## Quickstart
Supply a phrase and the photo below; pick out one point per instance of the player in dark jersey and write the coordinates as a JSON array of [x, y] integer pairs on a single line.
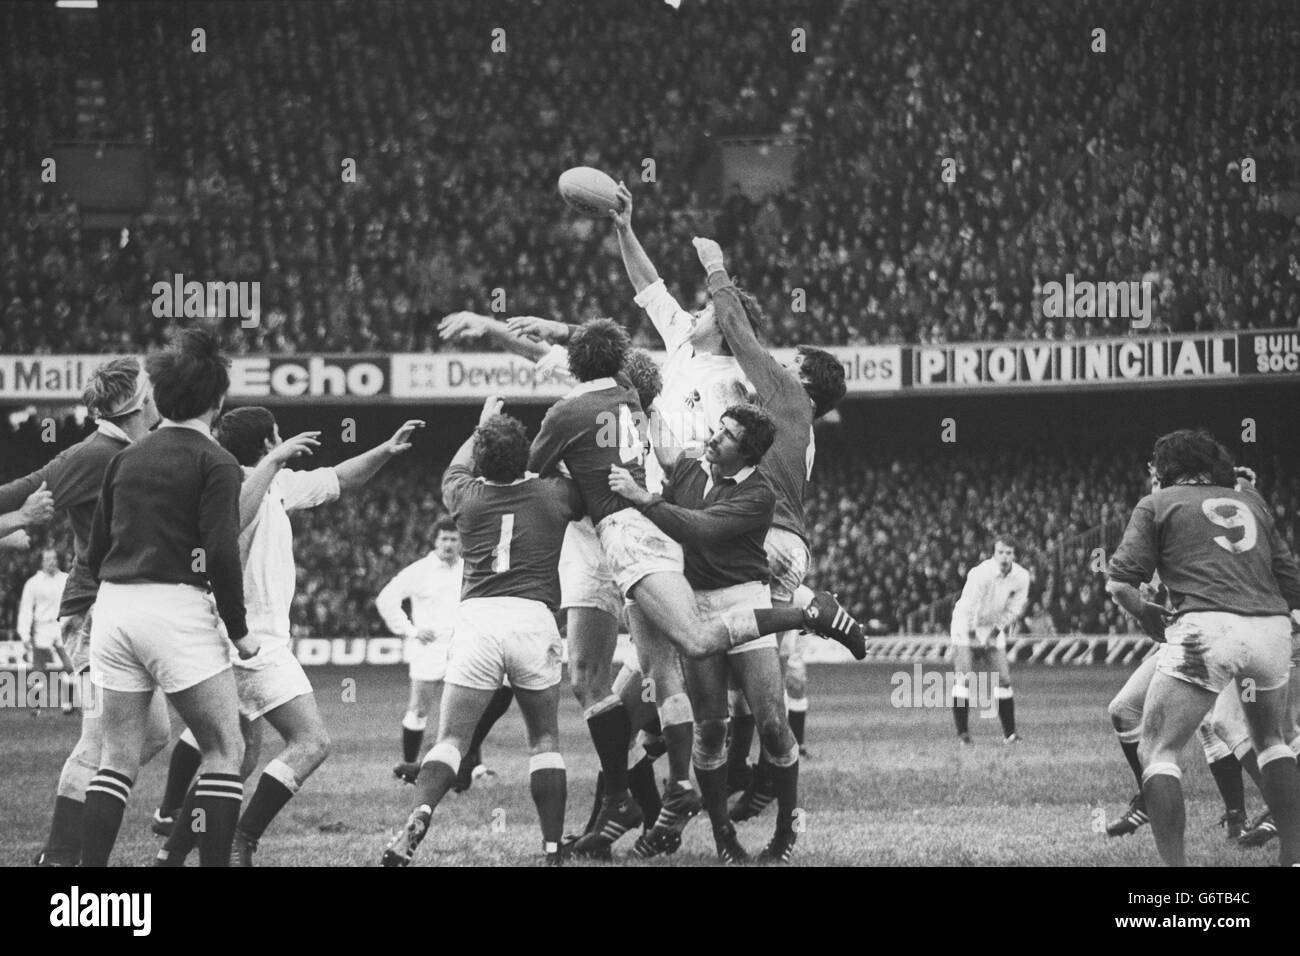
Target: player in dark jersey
[[589, 431], [795, 396], [511, 527], [120, 398], [1232, 581]]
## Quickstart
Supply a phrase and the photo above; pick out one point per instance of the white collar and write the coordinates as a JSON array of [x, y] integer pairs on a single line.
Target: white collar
[[193, 424], [595, 385], [105, 427], [738, 477], [507, 484]]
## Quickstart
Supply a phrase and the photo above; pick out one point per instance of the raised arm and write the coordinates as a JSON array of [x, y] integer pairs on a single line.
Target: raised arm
[[258, 481], [640, 270], [472, 325], [355, 472], [460, 473], [764, 371], [37, 509]]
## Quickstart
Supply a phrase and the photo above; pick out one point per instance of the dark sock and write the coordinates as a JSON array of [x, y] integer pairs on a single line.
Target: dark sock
[[496, 709], [713, 790], [961, 714], [217, 796], [611, 732], [411, 741], [770, 620], [64, 843], [1131, 755], [1280, 782], [101, 817], [797, 718], [184, 834], [1007, 714], [641, 783], [435, 779], [742, 741], [785, 781], [1250, 764], [268, 799], [1163, 796], [550, 790], [680, 738], [1227, 777], [652, 726], [180, 774], [595, 804]]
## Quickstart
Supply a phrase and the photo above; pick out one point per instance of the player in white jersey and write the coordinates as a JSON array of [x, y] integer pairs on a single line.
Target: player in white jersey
[[273, 684], [38, 611], [989, 609]]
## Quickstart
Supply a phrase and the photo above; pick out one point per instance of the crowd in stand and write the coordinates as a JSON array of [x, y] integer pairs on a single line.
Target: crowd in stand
[[892, 536], [1125, 164]]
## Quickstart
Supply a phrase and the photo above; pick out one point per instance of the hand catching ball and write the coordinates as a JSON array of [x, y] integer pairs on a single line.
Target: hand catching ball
[[589, 191]]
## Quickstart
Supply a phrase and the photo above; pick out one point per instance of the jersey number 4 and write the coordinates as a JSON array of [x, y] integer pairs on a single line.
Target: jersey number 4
[[1228, 513], [630, 446], [501, 555]]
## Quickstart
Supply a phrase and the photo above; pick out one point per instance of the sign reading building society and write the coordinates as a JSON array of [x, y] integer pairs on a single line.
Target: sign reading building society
[[473, 376], [1076, 362]]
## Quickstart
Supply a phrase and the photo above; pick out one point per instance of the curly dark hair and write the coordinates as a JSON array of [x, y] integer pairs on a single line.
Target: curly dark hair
[[1191, 453], [760, 430], [823, 378], [753, 311], [501, 448], [191, 376], [640, 368], [597, 349], [244, 432]]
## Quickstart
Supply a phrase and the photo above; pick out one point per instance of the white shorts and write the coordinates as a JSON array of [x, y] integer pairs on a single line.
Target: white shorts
[[982, 641], [711, 605], [155, 635], [787, 562], [1211, 648], [585, 577], [271, 679], [428, 662], [634, 548], [500, 637]]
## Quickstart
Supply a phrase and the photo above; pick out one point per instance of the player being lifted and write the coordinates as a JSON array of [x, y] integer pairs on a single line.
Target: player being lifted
[[512, 525], [1232, 581], [794, 396], [990, 606], [589, 431], [721, 509], [273, 684]]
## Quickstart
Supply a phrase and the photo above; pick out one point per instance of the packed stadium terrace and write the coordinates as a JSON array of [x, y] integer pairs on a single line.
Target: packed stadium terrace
[[1114, 166], [891, 533]]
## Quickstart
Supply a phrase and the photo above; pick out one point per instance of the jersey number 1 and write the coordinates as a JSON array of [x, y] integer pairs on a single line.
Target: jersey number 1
[[501, 555]]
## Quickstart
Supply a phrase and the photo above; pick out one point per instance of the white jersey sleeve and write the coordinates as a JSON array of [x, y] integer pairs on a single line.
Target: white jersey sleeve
[[27, 610], [389, 601], [307, 489], [554, 366], [671, 321], [971, 599]]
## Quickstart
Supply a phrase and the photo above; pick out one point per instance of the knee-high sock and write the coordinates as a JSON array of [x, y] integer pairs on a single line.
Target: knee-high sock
[[275, 788], [1227, 777], [961, 708], [1281, 787], [1130, 748], [1006, 710], [611, 733], [101, 817], [549, 785], [496, 709], [645, 791], [64, 842], [1162, 791], [1250, 764], [181, 769], [797, 714], [678, 723], [598, 798], [412, 735], [183, 837], [713, 791], [217, 797], [742, 741], [784, 770]]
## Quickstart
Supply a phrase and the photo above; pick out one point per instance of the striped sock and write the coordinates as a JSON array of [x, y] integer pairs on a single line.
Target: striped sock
[[101, 817], [217, 798], [549, 785]]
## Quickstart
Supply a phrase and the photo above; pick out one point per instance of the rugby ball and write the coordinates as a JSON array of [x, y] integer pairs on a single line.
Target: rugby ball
[[589, 191]]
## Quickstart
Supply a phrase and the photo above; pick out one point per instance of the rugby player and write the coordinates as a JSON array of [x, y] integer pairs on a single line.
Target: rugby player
[[590, 430], [120, 399], [38, 620], [1232, 582], [989, 609], [512, 525], [794, 396], [721, 508], [273, 684]]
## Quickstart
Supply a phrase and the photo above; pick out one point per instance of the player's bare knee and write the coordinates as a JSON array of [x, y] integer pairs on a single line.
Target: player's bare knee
[[710, 748], [775, 735]]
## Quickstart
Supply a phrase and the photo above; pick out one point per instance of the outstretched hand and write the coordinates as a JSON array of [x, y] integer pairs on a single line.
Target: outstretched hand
[[535, 327], [304, 443], [491, 409], [463, 325], [709, 252], [622, 216]]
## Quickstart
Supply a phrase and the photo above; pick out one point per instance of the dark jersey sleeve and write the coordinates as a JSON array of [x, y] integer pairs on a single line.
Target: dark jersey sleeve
[[100, 538], [456, 481], [1134, 561], [1285, 569], [765, 373], [549, 446], [219, 535], [720, 521], [14, 493]]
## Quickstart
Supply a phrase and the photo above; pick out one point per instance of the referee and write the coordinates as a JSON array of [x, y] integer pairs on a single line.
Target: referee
[[164, 545]]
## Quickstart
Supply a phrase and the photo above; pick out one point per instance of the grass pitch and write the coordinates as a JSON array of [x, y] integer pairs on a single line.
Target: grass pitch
[[884, 786]]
